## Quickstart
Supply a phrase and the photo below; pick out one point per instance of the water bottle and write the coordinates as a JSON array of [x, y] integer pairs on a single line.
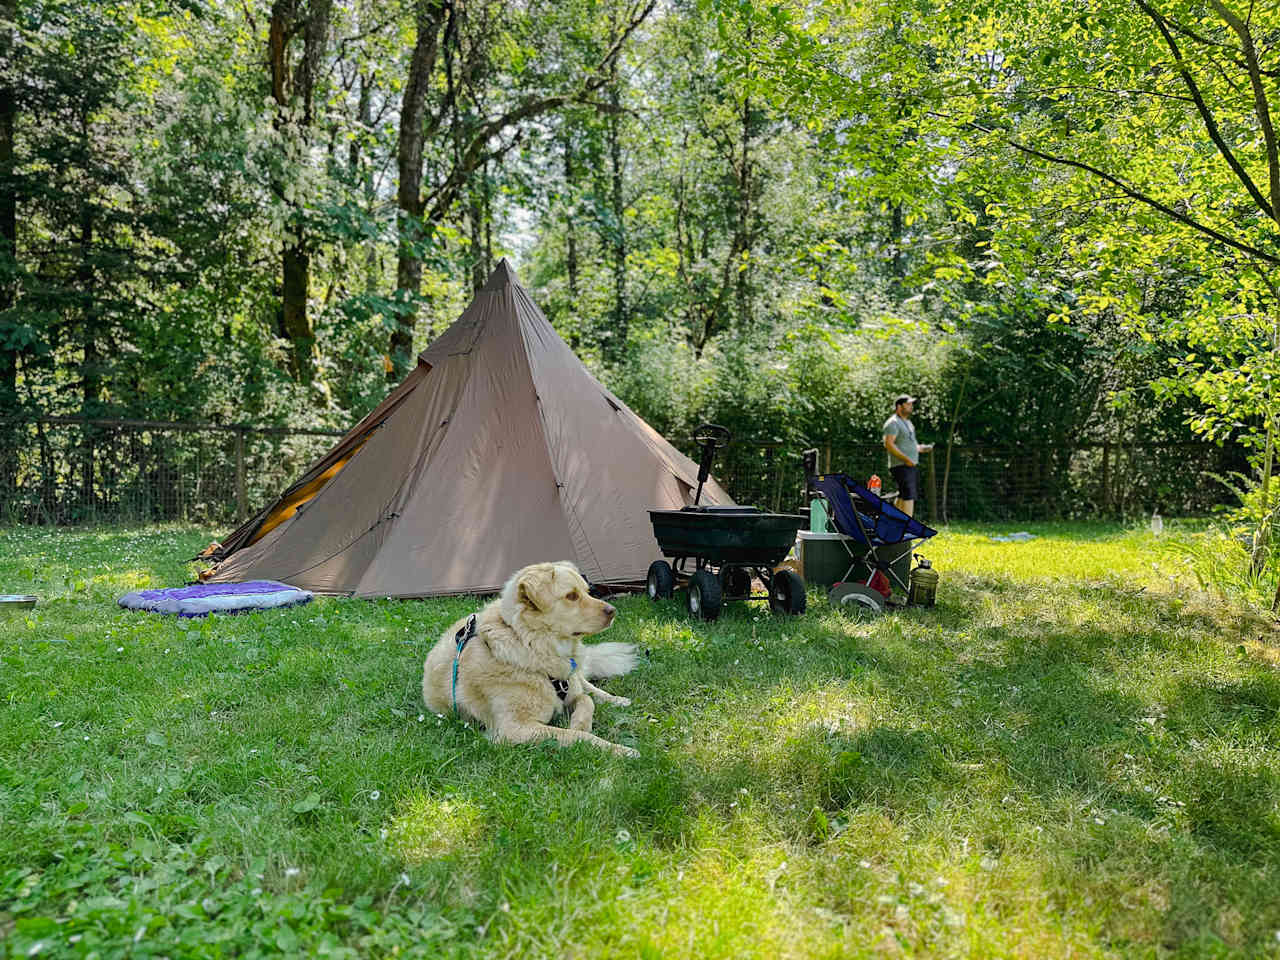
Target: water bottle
[[874, 484], [817, 516], [1157, 523], [922, 582]]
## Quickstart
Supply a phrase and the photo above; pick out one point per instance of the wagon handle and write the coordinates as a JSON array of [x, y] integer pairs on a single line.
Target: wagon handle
[[711, 436]]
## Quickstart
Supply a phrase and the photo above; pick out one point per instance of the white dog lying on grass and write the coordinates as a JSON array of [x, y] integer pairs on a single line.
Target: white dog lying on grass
[[521, 659]]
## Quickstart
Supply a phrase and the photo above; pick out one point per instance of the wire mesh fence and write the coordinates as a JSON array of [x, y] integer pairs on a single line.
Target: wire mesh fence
[[63, 470], [66, 470], [986, 482]]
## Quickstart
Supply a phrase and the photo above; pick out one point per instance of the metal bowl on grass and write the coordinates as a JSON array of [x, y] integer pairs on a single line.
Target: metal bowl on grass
[[16, 601]]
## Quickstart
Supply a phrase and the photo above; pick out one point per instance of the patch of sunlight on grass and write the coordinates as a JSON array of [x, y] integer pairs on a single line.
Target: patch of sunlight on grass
[[1057, 551], [433, 827], [720, 907]]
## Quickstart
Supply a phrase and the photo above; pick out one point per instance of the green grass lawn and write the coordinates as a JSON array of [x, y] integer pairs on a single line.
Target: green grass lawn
[[1069, 756]]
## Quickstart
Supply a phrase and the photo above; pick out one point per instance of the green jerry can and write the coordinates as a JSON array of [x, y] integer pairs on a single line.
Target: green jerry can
[[923, 589]]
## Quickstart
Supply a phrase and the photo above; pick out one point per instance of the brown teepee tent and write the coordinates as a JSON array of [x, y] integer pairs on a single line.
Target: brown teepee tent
[[500, 449]]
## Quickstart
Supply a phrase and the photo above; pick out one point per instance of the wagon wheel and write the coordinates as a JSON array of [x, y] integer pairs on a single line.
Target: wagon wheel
[[735, 582], [705, 597], [786, 593], [856, 600], [661, 582]]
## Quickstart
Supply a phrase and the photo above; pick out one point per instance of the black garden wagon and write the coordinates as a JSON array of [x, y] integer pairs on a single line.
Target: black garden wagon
[[715, 552]]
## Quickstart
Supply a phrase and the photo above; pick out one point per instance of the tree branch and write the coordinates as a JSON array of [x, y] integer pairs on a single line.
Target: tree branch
[[1259, 100], [1206, 115], [1038, 91], [475, 152], [1126, 190], [1208, 42]]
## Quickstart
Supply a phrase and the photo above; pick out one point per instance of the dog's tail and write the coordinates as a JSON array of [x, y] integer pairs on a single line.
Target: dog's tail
[[609, 659]]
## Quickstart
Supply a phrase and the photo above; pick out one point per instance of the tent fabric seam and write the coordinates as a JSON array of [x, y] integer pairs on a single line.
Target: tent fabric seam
[[570, 515], [341, 550], [360, 432]]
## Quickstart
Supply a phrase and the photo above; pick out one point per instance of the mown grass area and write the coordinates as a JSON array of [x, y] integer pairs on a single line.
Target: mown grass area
[[1069, 756]]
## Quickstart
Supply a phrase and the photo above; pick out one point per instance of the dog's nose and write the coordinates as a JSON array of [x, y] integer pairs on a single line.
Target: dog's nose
[[610, 609]]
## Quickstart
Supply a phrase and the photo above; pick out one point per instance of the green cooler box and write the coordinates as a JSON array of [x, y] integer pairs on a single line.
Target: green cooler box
[[824, 559]]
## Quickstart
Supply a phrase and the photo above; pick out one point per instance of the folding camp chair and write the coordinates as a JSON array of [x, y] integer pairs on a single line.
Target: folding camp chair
[[868, 524]]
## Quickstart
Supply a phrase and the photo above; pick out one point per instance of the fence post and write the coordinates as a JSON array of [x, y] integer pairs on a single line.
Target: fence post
[[933, 490], [1106, 476], [242, 495], [772, 455]]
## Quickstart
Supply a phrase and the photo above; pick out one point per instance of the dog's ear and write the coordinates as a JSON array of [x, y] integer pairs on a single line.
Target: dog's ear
[[534, 588]]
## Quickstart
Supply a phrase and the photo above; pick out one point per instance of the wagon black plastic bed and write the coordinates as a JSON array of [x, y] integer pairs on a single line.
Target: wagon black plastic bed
[[715, 552]]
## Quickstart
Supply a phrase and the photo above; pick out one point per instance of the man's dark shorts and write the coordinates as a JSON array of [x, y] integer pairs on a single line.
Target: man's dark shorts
[[908, 482]]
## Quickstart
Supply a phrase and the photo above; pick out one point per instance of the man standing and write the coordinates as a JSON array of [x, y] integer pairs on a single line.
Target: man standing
[[904, 453]]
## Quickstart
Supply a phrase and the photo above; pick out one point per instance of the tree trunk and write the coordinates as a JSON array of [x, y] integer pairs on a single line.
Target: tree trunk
[[475, 220], [742, 242], [91, 360], [571, 236], [315, 43], [487, 195], [428, 16], [951, 435], [1262, 536], [294, 320], [899, 269], [371, 263], [295, 325], [480, 219], [616, 344], [8, 233]]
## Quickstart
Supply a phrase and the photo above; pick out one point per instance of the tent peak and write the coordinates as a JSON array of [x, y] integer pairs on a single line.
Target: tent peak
[[503, 275]]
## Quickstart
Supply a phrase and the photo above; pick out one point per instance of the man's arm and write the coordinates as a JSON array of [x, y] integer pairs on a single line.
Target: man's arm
[[892, 447]]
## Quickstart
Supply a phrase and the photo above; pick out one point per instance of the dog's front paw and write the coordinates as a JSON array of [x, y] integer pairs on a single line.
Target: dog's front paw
[[622, 751], [622, 701]]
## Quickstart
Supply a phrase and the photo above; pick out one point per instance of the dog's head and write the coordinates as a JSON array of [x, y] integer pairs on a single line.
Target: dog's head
[[554, 598]]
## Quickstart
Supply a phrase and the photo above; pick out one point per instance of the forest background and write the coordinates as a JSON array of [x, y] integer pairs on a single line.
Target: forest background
[[1056, 223]]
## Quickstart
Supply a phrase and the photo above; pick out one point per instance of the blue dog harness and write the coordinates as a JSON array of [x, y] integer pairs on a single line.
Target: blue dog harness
[[561, 687], [463, 635]]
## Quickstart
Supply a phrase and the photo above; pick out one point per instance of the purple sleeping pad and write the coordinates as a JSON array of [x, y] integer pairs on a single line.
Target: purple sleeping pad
[[201, 599]]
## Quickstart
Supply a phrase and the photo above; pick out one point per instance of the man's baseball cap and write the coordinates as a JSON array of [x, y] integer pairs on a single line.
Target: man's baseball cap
[[904, 398]]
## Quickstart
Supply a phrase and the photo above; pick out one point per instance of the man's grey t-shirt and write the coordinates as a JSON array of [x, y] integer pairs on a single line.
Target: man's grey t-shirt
[[904, 437]]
